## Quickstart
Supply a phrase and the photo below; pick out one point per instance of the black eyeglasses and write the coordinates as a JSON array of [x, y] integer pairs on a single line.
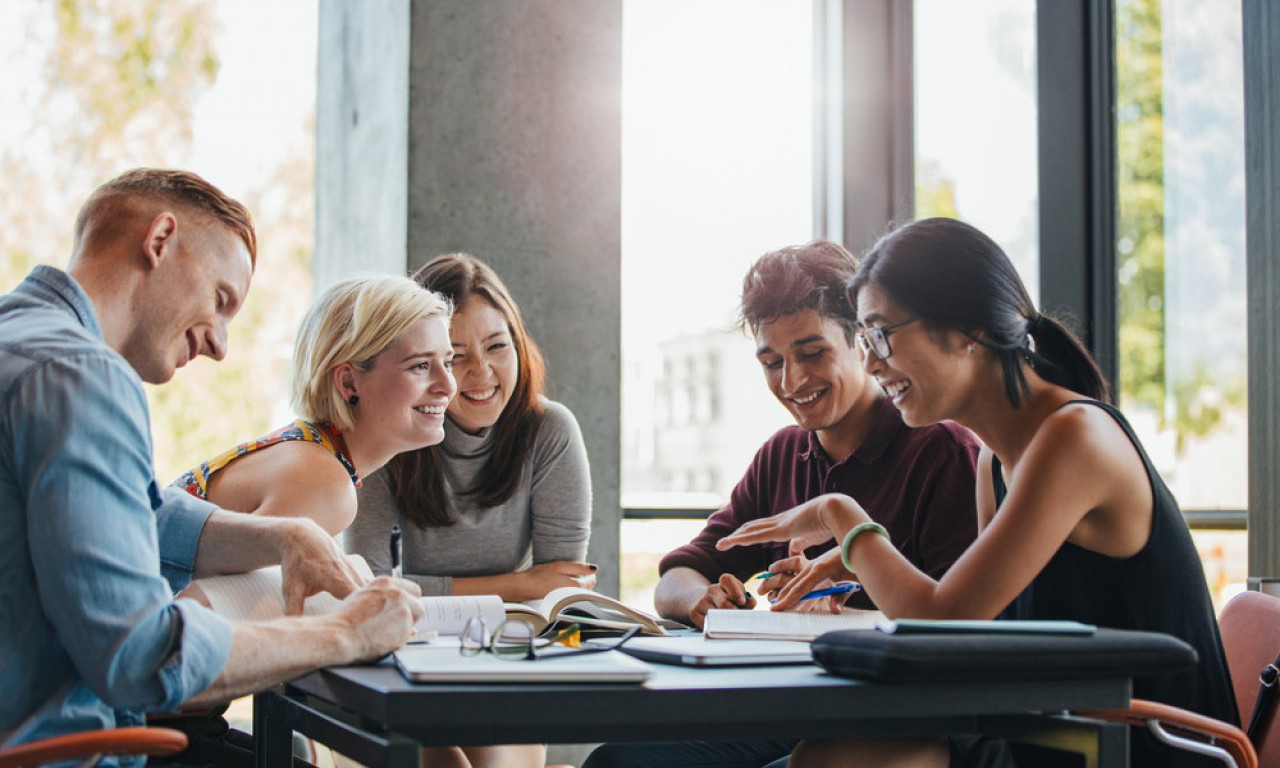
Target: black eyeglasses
[[517, 640], [876, 338]]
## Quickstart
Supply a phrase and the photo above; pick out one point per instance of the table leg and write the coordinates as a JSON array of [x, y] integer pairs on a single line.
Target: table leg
[[272, 736]]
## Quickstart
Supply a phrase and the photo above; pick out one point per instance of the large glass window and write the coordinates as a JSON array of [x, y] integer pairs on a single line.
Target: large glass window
[[1181, 254], [717, 170], [975, 115], [97, 88]]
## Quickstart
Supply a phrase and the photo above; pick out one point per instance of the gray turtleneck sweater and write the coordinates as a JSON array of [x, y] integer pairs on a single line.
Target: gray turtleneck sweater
[[548, 518]]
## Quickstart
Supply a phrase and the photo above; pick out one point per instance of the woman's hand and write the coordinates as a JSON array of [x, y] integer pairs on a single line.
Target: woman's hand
[[814, 522], [544, 577], [805, 576]]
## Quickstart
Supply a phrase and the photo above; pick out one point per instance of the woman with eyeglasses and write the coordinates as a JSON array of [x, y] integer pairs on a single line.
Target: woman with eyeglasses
[[1074, 521], [503, 505]]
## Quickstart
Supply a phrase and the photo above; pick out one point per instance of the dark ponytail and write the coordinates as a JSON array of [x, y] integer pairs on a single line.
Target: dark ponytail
[[952, 276], [1060, 358]]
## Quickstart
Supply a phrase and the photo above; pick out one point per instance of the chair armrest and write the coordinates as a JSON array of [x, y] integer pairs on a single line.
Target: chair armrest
[[1194, 732], [113, 741]]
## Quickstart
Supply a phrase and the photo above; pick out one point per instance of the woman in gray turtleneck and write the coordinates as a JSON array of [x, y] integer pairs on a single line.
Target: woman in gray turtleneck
[[503, 505]]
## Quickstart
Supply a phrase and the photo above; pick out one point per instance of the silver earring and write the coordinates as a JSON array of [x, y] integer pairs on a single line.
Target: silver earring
[[970, 349]]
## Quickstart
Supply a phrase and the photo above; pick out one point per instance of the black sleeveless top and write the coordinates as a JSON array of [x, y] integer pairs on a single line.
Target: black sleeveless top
[[1160, 589]]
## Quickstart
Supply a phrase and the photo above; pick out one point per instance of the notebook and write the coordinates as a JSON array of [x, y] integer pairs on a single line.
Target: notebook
[[729, 623], [697, 651], [426, 664]]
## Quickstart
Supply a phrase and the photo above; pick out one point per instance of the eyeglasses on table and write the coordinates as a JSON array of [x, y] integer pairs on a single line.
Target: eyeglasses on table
[[517, 640]]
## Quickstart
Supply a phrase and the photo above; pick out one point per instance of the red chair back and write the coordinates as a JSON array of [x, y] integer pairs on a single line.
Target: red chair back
[[1250, 625]]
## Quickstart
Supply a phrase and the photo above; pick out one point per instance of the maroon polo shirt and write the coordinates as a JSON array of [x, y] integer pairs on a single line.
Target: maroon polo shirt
[[916, 482]]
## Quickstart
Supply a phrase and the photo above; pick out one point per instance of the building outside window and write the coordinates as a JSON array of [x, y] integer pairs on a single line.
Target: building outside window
[[717, 170]]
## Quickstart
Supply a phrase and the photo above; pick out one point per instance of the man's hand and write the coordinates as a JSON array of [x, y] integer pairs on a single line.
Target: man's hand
[[728, 592], [311, 562], [371, 622], [381, 616]]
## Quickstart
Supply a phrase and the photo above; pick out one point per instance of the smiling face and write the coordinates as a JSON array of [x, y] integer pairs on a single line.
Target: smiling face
[[485, 364], [817, 375], [193, 291], [927, 374], [404, 394]]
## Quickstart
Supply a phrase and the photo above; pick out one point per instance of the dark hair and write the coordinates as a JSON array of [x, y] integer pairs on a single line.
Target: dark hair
[[952, 276], [417, 480], [790, 280], [101, 214]]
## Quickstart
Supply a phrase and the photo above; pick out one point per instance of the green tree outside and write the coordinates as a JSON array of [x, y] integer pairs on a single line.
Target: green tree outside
[[117, 88]]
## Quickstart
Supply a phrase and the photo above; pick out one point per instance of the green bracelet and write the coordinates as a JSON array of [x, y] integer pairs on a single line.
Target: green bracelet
[[853, 533]]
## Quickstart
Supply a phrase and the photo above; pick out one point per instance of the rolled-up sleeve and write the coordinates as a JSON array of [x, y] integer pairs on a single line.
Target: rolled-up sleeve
[[95, 517], [180, 519]]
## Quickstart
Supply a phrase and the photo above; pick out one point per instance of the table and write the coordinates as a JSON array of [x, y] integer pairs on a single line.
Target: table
[[375, 716]]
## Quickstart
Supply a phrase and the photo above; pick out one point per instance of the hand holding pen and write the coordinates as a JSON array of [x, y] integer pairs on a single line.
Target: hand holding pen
[[812, 576], [838, 588]]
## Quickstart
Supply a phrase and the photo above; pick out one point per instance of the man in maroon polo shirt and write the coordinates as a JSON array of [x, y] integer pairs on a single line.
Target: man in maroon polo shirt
[[916, 482]]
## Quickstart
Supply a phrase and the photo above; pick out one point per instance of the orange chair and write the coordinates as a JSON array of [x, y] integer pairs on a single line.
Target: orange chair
[[1250, 625], [111, 741]]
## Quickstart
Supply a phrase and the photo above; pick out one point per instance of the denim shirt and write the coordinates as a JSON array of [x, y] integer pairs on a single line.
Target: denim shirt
[[91, 549]]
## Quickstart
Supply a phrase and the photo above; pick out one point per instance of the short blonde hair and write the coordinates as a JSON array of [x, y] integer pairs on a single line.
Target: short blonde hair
[[353, 322]]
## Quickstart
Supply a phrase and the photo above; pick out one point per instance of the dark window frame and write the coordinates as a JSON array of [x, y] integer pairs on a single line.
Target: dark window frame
[[1076, 64]]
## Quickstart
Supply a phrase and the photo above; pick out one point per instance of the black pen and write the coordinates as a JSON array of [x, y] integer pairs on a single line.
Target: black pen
[[396, 550]]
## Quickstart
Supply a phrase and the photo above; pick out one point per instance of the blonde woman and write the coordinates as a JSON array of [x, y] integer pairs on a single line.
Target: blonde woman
[[372, 378]]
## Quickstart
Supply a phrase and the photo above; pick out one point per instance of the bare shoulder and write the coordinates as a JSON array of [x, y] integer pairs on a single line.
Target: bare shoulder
[[1081, 452], [1084, 431], [304, 479]]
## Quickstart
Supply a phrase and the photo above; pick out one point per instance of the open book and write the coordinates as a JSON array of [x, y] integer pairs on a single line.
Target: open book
[[783, 625], [588, 608], [258, 596]]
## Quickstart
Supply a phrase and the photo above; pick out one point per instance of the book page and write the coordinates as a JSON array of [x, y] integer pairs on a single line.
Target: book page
[[784, 625], [604, 609], [448, 614], [259, 595]]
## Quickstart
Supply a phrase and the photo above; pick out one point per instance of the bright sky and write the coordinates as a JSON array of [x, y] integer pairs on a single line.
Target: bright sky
[[255, 113], [265, 94]]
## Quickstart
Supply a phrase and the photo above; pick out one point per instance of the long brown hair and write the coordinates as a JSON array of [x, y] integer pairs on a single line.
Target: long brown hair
[[417, 479]]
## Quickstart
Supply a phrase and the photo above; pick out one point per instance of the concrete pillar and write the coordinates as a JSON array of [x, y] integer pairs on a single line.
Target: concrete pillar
[[493, 128]]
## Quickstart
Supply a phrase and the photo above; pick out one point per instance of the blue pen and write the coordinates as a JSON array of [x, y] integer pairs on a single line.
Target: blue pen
[[839, 588]]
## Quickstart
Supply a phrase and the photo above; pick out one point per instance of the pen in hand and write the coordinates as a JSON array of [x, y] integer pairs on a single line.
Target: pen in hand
[[396, 551], [839, 588]]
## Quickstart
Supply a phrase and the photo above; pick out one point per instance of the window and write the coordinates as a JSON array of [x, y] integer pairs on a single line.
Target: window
[[717, 170], [1181, 257], [975, 106]]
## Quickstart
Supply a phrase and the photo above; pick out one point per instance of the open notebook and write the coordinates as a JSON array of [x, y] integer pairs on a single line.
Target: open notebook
[[427, 664], [723, 623], [256, 596]]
